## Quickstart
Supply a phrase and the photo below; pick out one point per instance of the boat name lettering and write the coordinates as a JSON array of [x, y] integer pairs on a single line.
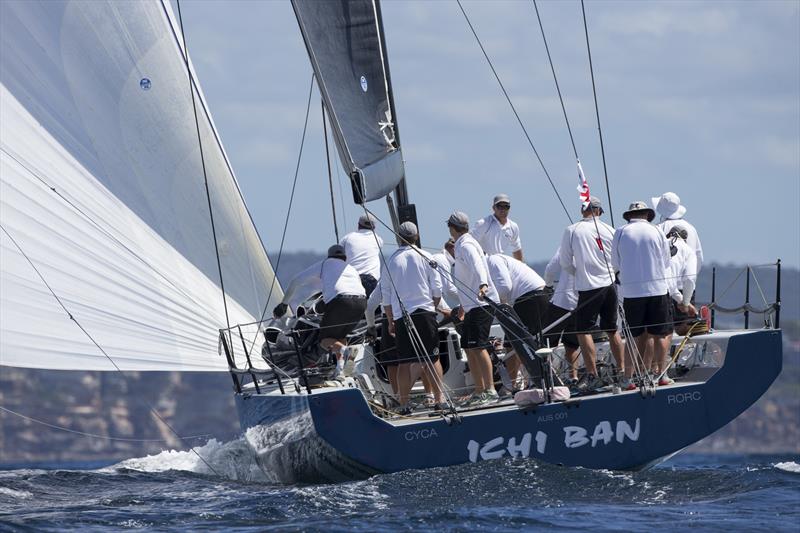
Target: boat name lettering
[[684, 397], [498, 447], [552, 416], [424, 433], [576, 436]]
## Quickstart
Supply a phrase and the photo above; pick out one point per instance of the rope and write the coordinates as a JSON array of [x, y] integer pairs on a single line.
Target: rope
[[89, 336], [93, 435], [288, 208], [555, 79], [185, 54], [330, 174], [514, 110], [597, 114]]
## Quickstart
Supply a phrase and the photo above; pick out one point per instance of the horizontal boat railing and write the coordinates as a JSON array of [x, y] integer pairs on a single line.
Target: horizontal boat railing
[[770, 310]]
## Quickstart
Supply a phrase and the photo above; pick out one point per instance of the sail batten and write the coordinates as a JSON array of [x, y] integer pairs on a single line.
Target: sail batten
[[346, 49], [103, 191]]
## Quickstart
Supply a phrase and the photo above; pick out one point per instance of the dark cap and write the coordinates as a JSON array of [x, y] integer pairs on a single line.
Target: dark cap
[[458, 219], [337, 251], [501, 198]]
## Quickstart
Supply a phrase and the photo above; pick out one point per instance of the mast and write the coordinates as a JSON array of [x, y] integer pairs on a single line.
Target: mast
[[405, 210]]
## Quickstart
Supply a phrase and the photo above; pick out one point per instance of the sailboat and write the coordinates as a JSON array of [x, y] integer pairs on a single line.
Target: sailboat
[[127, 245]]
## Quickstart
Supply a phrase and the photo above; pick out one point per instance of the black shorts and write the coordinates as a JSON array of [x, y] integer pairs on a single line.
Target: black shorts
[[532, 310], [426, 326], [476, 327], [387, 353], [342, 315], [591, 303], [565, 330], [368, 282], [649, 313]]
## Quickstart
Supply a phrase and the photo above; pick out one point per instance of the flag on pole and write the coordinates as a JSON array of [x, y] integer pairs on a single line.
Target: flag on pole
[[583, 187]]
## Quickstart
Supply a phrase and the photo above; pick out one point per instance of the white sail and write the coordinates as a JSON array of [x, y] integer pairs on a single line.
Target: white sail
[[102, 191]]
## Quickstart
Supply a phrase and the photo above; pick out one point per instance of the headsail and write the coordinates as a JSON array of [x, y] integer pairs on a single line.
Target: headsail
[[347, 51], [103, 192]]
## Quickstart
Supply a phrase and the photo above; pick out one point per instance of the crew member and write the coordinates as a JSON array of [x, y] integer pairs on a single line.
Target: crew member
[[496, 233], [363, 249], [444, 265], [682, 278], [412, 286], [641, 254], [670, 211], [520, 286], [563, 302], [586, 254], [475, 284], [344, 297]]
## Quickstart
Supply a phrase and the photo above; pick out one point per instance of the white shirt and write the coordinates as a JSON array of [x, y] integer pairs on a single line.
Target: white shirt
[[411, 279], [641, 254], [497, 238], [512, 278], [692, 239], [682, 268], [471, 271], [363, 252], [333, 276], [564, 294], [445, 270], [586, 256]]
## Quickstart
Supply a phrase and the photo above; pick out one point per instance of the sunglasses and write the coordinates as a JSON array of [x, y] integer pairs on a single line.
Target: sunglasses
[[503, 206]]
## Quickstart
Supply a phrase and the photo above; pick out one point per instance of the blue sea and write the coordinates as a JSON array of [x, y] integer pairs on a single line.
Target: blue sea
[[175, 491]]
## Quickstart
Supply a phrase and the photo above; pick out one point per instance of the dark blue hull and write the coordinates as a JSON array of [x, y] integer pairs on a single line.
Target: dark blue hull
[[343, 439]]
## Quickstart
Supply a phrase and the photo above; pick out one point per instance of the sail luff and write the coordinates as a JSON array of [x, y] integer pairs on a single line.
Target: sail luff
[[344, 43]]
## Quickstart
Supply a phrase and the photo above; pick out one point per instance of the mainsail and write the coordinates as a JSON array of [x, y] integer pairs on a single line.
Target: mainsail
[[103, 195], [345, 43]]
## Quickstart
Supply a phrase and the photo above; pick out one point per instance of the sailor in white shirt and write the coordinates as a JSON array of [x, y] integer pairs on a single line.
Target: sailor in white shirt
[[520, 286], [444, 266], [641, 254], [344, 297], [682, 278], [670, 211], [586, 253], [412, 286], [363, 249], [564, 300], [474, 283], [496, 233]]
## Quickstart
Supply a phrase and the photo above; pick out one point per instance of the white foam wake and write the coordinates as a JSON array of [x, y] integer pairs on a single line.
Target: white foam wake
[[21, 494], [789, 466], [232, 460]]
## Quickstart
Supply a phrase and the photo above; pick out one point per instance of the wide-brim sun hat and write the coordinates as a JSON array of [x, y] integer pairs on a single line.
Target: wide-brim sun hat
[[668, 205], [639, 207]]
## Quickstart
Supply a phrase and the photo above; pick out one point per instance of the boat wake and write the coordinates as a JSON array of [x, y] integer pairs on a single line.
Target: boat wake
[[233, 460], [788, 466]]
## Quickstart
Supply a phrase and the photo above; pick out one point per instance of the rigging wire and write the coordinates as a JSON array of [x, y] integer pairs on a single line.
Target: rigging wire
[[93, 435], [555, 79], [289, 207], [597, 113], [185, 54], [514, 110], [330, 174], [89, 336]]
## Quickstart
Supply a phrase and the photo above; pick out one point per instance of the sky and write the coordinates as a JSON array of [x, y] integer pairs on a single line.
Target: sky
[[698, 98]]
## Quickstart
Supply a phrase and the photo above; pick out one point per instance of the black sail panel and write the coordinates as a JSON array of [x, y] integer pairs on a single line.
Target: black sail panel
[[346, 48]]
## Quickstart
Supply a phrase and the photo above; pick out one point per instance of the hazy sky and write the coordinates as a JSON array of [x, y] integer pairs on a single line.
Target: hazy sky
[[699, 98]]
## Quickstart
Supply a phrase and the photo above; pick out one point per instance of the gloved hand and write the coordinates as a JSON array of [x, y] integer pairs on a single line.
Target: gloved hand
[[280, 310]]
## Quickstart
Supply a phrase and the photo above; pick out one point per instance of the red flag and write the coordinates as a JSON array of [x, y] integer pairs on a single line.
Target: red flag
[[583, 187]]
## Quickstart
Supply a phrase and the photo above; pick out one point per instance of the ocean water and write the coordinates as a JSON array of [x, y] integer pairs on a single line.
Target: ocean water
[[176, 491]]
